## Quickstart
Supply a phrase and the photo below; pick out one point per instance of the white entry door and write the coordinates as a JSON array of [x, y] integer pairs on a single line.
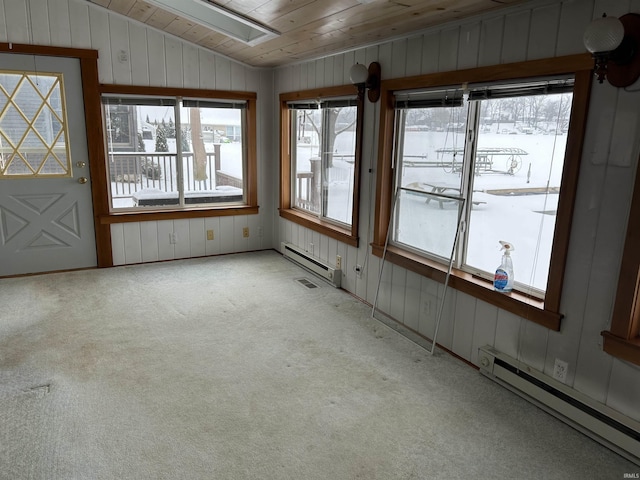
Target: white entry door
[[46, 212]]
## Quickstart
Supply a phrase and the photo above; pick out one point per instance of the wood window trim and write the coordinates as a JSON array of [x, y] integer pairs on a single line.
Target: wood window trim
[[250, 208], [622, 340], [547, 312], [342, 234]]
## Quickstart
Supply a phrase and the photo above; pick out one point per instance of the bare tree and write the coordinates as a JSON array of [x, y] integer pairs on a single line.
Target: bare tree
[[199, 153]]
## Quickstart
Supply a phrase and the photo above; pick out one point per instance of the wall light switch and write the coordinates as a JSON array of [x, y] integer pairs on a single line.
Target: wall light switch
[[209, 234]]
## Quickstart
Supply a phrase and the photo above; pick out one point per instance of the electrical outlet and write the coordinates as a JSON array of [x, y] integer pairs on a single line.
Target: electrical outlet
[[209, 234], [245, 232], [560, 370], [173, 238], [358, 270], [338, 262]]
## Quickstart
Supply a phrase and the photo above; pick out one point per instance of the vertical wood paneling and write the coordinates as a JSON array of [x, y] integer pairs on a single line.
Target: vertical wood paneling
[[371, 274], [624, 389], [207, 70], [157, 59], [428, 307], [319, 73], [626, 132], [508, 327], [3, 23], [79, 24], [348, 60], [59, 22], [99, 21], [490, 41], [412, 301], [254, 222], [226, 234], [448, 57], [311, 75], [117, 244], [238, 72], [40, 29], [469, 46], [399, 58], [18, 28], [398, 288], [120, 56], [574, 18], [132, 244], [515, 37], [182, 247], [445, 332], [533, 345], [463, 325], [139, 55], [197, 238], [430, 53], [484, 328], [240, 243], [328, 72], [223, 73], [414, 56], [149, 241], [191, 67], [173, 54], [166, 250], [212, 247], [543, 32]]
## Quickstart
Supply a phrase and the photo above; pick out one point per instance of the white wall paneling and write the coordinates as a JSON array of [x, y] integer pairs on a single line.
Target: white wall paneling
[[59, 20], [40, 28], [16, 21], [139, 56], [535, 30], [120, 52]]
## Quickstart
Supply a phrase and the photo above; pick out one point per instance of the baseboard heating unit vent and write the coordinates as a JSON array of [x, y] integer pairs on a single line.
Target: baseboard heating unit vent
[[608, 427], [311, 263]]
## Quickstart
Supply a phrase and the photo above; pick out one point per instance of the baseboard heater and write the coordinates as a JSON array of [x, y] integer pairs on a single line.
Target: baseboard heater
[[605, 425], [311, 263]]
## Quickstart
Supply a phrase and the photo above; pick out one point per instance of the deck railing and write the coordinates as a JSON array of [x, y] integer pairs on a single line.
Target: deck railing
[[131, 172]]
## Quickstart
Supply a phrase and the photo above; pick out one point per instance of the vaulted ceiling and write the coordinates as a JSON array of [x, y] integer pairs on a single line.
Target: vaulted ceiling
[[308, 28]]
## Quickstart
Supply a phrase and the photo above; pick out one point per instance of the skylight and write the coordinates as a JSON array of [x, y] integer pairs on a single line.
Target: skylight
[[219, 19]]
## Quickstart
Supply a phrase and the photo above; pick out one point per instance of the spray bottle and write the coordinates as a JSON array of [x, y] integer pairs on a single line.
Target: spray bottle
[[503, 279]]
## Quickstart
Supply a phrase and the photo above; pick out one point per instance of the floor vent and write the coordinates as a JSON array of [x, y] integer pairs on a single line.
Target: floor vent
[[311, 263], [600, 422], [306, 283]]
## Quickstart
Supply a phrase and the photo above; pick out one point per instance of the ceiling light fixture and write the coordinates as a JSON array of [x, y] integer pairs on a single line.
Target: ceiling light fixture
[[614, 44], [364, 77], [220, 19]]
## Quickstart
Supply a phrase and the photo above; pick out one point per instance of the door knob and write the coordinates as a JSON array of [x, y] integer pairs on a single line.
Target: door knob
[[82, 180]]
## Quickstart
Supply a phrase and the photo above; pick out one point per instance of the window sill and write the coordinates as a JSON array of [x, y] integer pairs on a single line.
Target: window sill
[[520, 304], [622, 348], [344, 235], [198, 212]]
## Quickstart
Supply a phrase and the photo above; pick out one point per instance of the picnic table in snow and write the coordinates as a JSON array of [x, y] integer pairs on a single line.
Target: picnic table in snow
[[507, 160]]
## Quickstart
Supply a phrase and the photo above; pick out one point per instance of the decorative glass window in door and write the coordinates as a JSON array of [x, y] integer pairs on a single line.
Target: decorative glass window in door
[[33, 126]]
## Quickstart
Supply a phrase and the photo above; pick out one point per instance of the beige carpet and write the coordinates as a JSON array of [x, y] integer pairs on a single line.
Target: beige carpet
[[226, 368]]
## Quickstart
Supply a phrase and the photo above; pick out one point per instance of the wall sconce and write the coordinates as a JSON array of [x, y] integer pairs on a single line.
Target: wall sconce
[[614, 44], [365, 78]]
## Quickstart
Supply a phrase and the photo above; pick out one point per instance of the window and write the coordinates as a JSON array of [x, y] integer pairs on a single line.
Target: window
[[33, 126], [321, 134], [500, 148], [496, 153], [623, 338], [178, 153]]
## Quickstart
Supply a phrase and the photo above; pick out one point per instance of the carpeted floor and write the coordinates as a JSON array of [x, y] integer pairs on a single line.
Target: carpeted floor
[[227, 368]]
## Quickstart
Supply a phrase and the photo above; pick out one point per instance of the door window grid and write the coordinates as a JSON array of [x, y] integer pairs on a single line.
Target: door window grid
[[33, 127]]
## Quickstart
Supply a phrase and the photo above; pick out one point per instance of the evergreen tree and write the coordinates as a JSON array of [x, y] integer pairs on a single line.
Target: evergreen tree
[[141, 147], [161, 140]]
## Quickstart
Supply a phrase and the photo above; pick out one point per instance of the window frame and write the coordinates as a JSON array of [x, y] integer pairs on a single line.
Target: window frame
[[251, 198], [622, 340], [544, 312], [346, 234]]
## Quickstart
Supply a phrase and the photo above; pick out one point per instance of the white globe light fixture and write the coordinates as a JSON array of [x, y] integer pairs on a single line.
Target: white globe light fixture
[[613, 43]]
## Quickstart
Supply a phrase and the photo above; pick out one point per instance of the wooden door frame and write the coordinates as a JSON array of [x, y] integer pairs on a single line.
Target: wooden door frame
[[93, 125]]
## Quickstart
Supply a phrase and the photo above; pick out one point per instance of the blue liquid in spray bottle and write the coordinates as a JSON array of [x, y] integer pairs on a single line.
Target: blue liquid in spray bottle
[[503, 279]]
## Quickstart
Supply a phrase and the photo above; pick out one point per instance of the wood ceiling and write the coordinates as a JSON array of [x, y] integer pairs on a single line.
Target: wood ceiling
[[309, 28]]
